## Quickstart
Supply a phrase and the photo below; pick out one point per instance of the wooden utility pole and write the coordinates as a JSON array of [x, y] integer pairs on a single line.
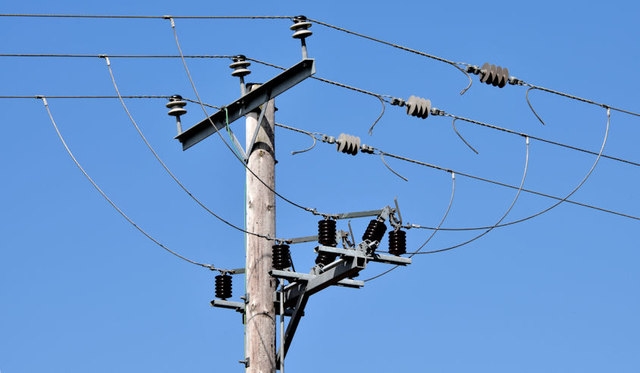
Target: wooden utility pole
[[260, 315]]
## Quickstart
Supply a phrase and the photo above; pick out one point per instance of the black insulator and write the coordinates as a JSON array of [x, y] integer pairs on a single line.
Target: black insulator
[[326, 237], [375, 231], [397, 242], [327, 233], [494, 75], [281, 256], [418, 107], [348, 144], [223, 286]]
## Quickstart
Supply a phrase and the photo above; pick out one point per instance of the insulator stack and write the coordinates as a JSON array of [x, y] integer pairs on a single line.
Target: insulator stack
[[348, 144], [300, 28], [418, 107], [375, 231], [223, 286], [239, 66], [326, 237], [397, 242], [301, 31], [281, 256], [491, 74], [176, 108]]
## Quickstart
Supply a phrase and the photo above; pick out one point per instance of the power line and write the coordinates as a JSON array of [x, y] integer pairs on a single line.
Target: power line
[[470, 67], [166, 168], [487, 180], [104, 195], [110, 55], [457, 65], [446, 213], [184, 62], [106, 16]]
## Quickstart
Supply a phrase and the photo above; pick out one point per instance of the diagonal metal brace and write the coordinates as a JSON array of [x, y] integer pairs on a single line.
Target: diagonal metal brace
[[261, 124], [247, 103], [298, 294]]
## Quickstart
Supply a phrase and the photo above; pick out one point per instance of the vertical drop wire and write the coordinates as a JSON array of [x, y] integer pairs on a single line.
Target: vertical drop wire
[[515, 199], [104, 195], [453, 191], [166, 168]]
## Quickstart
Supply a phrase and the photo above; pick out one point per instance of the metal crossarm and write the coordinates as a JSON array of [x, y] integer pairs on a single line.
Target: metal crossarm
[[247, 103]]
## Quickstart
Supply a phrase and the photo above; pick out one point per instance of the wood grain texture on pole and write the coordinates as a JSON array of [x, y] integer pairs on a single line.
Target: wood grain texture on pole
[[261, 218]]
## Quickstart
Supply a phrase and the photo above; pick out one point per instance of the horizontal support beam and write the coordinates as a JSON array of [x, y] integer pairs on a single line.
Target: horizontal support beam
[[380, 258], [237, 306], [296, 240], [240, 307], [296, 276], [247, 103], [357, 214]]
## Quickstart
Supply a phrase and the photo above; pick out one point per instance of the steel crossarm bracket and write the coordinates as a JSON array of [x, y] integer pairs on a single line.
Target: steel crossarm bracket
[[238, 306], [345, 269], [300, 292], [380, 258], [261, 124], [301, 303], [247, 103], [296, 276], [358, 214]]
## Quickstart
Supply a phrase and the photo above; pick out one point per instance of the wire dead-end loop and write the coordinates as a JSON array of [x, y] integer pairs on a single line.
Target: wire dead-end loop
[[468, 77], [531, 106], [379, 117], [391, 169], [309, 148], [453, 123]]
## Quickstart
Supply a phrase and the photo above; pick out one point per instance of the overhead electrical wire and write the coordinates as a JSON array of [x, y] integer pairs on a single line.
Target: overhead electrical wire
[[166, 168], [113, 204], [455, 64], [467, 65], [108, 16], [487, 180], [355, 89], [184, 62], [446, 213], [515, 199]]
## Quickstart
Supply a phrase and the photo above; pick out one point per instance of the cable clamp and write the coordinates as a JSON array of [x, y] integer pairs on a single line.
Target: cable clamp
[[397, 101]]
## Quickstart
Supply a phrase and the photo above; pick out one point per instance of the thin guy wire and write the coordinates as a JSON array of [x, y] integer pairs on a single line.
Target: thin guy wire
[[184, 62], [166, 168], [565, 199], [104, 195], [453, 190], [524, 175], [139, 17], [490, 181]]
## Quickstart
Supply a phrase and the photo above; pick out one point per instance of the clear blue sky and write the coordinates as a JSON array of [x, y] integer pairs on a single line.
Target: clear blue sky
[[82, 291]]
